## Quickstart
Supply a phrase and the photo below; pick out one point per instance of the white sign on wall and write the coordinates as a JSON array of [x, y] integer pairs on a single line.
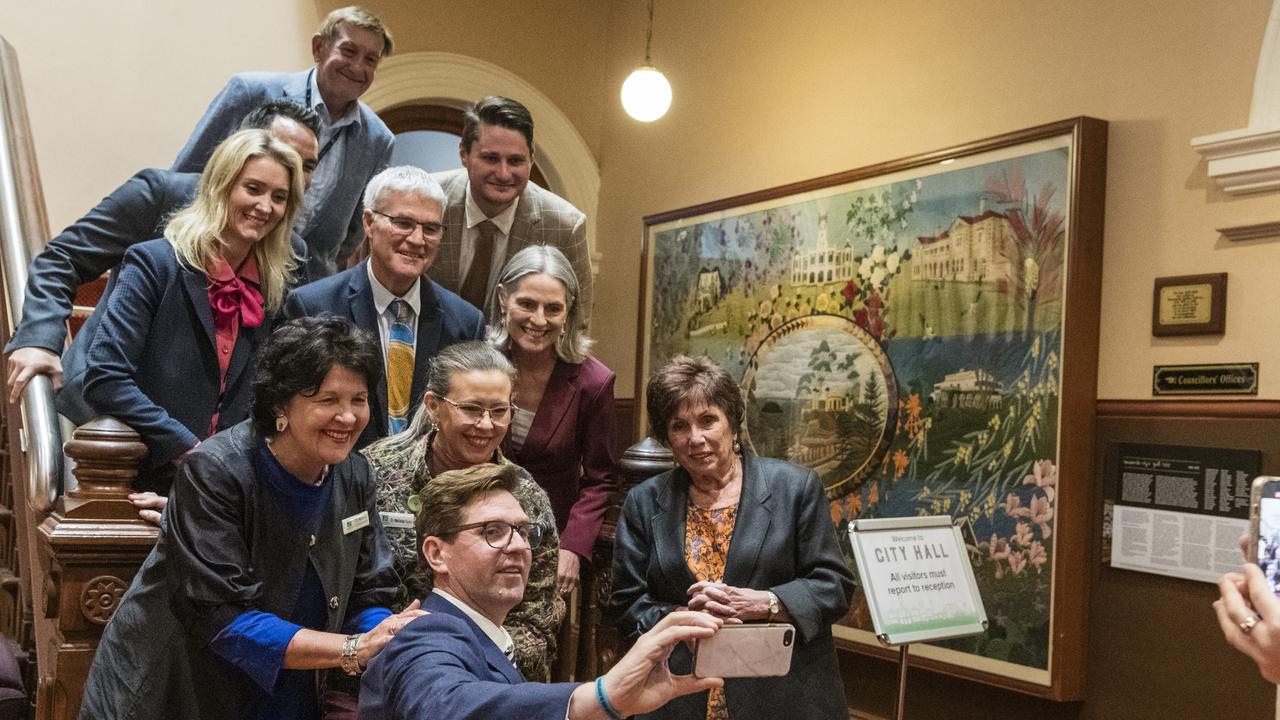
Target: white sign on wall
[[917, 579]]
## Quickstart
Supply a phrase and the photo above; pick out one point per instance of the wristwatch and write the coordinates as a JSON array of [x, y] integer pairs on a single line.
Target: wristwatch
[[348, 660], [774, 606]]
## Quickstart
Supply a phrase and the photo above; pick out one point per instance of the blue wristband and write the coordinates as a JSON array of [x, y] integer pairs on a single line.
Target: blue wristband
[[603, 699]]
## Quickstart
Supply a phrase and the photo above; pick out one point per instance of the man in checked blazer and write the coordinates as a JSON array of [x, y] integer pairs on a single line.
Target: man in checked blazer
[[493, 211]]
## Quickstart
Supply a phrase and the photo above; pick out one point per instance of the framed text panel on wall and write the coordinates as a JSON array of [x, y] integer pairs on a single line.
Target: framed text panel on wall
[[923, 333]]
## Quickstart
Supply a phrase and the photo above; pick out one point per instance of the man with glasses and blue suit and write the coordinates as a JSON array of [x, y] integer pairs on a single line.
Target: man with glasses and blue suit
[[389, 294], [455, 662]]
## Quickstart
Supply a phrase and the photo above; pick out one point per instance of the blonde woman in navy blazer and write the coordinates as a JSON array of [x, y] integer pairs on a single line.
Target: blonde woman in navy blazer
[[172, 352], [774, 549], [563, 431]]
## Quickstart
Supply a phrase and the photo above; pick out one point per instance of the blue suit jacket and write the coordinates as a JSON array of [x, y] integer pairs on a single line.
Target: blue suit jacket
[[442, 665], [134, 212], [147, 357], [443, 319], [336, 228]]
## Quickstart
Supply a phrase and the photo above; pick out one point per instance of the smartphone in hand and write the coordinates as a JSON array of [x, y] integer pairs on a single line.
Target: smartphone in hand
[[748, 650], [1264, 528]]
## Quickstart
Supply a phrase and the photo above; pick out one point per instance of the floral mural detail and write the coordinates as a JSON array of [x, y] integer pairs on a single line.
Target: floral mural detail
[[903, 340]]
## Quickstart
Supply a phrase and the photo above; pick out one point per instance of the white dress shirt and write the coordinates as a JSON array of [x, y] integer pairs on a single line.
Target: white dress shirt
[[383, 297], [471, 235], [496, 633]]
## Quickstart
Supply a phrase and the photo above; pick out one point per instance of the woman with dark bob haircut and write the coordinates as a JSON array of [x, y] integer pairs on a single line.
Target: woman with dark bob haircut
[[734, 535], [271, 562]]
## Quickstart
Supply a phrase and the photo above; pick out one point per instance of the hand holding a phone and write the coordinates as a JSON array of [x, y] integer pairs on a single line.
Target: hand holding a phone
[[641, 681], [1249, 616]]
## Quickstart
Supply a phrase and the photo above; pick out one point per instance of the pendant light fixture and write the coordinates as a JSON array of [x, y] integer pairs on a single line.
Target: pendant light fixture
[[646, 94]]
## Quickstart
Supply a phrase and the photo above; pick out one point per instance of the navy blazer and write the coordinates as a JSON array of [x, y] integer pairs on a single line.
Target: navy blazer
[[134, 212], [148, 358], [442, 665], [783, 541], [569, 449], [335, 229], [443, 319]]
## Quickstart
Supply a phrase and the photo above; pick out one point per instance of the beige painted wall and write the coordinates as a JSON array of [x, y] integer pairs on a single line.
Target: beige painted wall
[[114, 87], [764, 96]]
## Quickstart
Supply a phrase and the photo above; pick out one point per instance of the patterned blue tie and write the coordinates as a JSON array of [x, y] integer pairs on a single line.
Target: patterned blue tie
[[399, 365]]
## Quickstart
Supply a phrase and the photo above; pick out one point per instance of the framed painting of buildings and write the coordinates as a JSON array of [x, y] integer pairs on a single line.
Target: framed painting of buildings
[[923, 334]]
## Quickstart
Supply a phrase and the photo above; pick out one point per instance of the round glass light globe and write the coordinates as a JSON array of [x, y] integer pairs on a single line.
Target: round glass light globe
[[646, 94]]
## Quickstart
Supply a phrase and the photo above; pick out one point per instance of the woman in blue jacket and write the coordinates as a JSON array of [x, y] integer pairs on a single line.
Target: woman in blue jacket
[[171, 351]]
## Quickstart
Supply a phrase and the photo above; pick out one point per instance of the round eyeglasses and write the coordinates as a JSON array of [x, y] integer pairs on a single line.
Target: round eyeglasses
[[498, 533], [500, 415], [405, 226]]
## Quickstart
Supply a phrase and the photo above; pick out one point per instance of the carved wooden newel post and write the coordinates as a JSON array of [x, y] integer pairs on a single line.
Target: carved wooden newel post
[[90, 547], [602, 644]]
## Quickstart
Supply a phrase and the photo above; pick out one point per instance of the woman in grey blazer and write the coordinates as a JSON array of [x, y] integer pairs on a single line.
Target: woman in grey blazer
[[734, 535]]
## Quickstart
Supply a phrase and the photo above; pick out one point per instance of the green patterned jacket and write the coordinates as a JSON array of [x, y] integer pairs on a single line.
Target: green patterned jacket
[[534, 622]]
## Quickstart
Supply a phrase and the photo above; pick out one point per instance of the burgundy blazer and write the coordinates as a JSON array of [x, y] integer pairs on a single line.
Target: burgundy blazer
[[569, 449]]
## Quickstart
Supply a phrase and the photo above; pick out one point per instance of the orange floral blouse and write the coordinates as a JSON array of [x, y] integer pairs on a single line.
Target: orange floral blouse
[[706, 547]]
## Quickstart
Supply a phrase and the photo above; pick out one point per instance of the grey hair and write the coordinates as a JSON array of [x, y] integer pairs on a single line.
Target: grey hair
[[407, 179], [573, 345], [471, 356]]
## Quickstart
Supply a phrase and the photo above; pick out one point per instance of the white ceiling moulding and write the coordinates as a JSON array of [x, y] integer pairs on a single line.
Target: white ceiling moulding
[[454, 80], [1248, 160]]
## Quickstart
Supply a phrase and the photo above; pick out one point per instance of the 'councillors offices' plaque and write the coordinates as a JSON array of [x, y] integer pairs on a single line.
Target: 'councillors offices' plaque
[[1190, 305]]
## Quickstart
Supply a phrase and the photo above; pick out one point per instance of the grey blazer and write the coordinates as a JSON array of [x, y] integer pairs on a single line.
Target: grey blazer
[[542, 218], [783, 541], [336, 229]]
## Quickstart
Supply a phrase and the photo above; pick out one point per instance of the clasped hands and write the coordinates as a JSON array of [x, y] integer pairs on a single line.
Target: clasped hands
[[729, 602]]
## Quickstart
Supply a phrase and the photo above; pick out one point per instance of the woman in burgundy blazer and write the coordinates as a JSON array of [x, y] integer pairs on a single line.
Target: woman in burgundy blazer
[[563, 431]]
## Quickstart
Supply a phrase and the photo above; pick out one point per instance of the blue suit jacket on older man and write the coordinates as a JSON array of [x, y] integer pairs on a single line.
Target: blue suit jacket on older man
[[335, 228], [443, 319], [442, 665]]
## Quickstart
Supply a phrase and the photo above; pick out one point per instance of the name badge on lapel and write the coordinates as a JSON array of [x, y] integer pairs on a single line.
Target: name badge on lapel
[[400, 520], [355, 522]]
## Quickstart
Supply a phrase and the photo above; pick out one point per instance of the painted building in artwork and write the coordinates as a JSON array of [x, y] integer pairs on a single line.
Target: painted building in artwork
[[824, 264], [827, 401], [976, 248], [976, 389], [710, 288]]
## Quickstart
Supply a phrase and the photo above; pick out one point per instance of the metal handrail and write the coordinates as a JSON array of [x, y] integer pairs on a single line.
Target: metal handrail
[[24, 228]]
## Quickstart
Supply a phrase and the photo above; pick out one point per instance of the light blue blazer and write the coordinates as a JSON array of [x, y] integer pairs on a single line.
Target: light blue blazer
[[337, 229]]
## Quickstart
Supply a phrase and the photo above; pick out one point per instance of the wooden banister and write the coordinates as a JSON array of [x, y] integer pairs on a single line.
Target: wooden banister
[[599, 645], [90, 546]]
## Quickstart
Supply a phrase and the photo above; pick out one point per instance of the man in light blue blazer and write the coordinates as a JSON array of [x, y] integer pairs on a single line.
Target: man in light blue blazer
[[354, 143], [453, 663]]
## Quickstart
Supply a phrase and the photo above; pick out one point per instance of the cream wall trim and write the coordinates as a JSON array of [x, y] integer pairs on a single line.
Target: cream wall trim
[[1248, 160], [452, 79]]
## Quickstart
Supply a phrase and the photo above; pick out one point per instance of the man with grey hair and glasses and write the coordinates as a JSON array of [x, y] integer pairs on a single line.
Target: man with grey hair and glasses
[[478, 543], [389, 294]]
